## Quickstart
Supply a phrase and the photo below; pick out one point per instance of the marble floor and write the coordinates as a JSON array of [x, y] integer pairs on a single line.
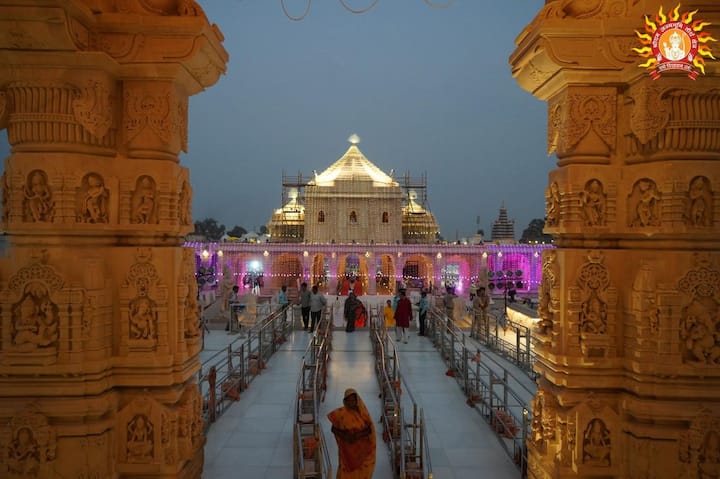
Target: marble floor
[[253, 438]]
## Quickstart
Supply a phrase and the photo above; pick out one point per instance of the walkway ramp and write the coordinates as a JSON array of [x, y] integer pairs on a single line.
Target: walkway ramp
[[254, 436]]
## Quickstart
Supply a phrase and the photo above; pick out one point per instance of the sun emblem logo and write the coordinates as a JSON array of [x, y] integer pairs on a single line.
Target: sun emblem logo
[[675, 42]]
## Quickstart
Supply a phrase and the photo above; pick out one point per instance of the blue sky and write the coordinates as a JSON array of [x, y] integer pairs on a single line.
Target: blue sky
[[427, 90]]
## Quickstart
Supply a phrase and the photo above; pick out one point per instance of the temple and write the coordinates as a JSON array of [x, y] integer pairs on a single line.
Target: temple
[[354, 221]]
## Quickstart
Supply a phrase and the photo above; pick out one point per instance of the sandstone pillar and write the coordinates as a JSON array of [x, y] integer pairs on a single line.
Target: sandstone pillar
[[99, 335], [629, 339]]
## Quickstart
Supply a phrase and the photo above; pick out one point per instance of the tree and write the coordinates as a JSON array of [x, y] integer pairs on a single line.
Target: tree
[[263, 230], [210, 229], [237, 231], [534, 232]]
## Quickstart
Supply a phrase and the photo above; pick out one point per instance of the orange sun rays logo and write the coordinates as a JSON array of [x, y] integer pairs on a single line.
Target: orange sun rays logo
[[674, 42]]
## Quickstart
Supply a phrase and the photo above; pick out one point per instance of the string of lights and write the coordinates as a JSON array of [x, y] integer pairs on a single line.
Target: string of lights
[[357, 11]]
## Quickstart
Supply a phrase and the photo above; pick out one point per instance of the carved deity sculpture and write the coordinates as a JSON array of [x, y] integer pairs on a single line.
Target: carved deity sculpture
[[38, 199], [700, 318], [593, 201], [709, 456], [552, 204], [23, 455], [594, 279], [699, 203], [140, 435], [93, 200], [593, 314], [184, 205], [550, 277], [142, 318], [596, 444], [143, 209], [644, 204], [34, 319], [192, 320]]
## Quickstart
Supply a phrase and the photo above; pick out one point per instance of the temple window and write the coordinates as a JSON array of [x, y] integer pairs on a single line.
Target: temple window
[[353, 217], [385, 217], [321, 216]]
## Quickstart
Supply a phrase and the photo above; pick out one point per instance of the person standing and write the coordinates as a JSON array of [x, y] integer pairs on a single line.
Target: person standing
[[283, 301], [304, 299], [354, 432], [422, 311], [403, 315], [233, 301], [481, 303], [449, 303], [389, 315], [317, 303]]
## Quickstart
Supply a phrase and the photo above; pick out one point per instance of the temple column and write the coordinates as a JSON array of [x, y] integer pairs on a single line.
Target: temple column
[[372, 262], [99, 325], [628, 346]]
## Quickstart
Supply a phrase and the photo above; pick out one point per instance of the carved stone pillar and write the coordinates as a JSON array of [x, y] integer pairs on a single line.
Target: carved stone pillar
[[99, 336], [629, 339]]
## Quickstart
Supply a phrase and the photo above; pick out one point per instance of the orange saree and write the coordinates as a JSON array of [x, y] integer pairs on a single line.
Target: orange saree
[[356, 458]]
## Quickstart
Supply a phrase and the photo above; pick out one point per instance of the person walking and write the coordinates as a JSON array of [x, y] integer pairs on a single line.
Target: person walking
[[304, 300], [354, 432], [403, 315], [317, 303], [283, 300], [389, 315], [350, 310], [422, 311]]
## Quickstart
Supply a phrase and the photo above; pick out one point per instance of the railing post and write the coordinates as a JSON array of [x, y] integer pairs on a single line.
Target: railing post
[[212, 378], [517, 345], [505, 388]]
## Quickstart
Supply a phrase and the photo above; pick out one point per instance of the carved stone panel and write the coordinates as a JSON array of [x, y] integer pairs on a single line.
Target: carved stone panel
[[184, 204], [699, 447], [598, 448], [144, 203], [593, 201], [38, 201], [552, 204], [92, 200], [644, 204], [698, 211], [700, 316], [27, 447]]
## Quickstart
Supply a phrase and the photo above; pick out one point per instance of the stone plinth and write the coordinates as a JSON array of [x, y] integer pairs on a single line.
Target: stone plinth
[[629, 338], [99, 335]]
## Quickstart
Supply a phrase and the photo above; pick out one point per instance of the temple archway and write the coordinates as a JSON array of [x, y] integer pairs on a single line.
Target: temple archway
[[286, 271]]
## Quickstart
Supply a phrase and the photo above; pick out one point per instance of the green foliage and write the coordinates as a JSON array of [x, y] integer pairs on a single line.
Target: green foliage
[[210, 228], [534, 232], [263, 230], [237, 231]]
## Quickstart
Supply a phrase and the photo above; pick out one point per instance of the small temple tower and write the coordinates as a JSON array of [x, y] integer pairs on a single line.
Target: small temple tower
[[503, 229]]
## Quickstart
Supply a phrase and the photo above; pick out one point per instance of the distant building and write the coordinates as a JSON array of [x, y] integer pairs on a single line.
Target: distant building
[[503, 230]]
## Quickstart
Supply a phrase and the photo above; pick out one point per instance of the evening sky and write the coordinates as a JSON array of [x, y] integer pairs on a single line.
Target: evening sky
[[427, 90]]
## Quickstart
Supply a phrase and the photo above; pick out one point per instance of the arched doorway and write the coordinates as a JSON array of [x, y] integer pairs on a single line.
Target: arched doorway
[[287, 271], [385, 275], [352, 272], [319, 272], [418, 272]]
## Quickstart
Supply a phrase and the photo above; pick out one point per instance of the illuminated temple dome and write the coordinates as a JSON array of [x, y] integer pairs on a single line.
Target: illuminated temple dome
[[353, 201]]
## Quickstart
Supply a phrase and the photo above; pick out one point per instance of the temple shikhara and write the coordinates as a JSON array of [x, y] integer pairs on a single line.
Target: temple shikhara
[[100, 338]]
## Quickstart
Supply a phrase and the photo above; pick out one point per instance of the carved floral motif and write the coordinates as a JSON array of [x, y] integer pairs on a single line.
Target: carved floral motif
[[92, 200], [649, 114], [144, 109], [593, 200], [93, 108], [38, 203], [699, 203], [590, 112], [700, 318], [644, 204]]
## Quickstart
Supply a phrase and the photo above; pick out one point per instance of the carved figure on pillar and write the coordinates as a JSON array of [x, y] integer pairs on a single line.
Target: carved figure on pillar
[[144, 209], [184, 205], [142, 318], [552, 204], [594, 279], [644, 204], [596, 444], [27, 446], [38, 199], [547, 306], [701, 316], [35, 319], [93, 199], [593, 201], [140, 436], [699, 203]]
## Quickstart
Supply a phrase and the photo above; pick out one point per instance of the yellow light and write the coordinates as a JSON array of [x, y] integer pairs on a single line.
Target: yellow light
[[265, 253], [305, 253], [220, 253], [205, 254], [439, 255]]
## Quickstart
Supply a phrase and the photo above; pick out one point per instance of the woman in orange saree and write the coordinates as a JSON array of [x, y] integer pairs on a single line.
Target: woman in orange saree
[[355, 436]]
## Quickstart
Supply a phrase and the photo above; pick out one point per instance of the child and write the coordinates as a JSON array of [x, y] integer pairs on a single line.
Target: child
[[389, 315]]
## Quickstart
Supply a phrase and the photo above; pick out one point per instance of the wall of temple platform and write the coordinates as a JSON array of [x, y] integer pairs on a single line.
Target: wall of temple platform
[[629, 338], [99, 335]]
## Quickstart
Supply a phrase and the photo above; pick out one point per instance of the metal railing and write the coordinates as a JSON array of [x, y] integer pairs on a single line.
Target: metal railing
[[406, 440], [500, 397], [310, 453], [228, 372]]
